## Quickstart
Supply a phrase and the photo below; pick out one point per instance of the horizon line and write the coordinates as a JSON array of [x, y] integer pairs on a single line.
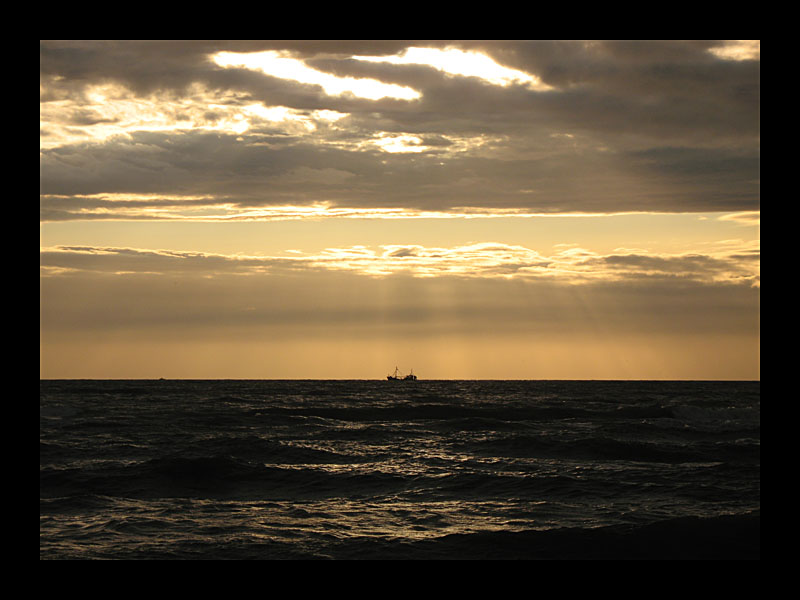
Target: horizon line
[[371, 379]]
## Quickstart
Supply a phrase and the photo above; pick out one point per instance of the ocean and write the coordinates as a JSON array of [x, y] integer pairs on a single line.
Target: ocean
[[399, 470]]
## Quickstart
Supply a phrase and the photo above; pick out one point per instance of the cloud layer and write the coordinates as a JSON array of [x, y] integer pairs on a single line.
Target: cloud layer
[[736, 264], [585, 127]]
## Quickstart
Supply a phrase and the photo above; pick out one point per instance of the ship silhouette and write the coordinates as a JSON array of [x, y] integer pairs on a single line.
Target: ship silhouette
[[397, 376]]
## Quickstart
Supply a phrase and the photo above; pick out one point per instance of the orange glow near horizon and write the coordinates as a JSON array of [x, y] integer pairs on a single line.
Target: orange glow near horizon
[[660, 357]]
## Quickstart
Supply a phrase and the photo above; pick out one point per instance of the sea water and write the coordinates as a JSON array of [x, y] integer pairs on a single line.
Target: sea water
[[399, 469]]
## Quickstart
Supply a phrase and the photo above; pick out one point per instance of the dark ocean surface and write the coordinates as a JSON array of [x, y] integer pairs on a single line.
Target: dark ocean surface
[[399, 470]]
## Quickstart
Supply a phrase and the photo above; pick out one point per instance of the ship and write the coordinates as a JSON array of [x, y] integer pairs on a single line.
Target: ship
[[397, 376]]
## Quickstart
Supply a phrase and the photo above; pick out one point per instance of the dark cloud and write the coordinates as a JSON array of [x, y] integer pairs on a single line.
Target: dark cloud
[[658, 125]]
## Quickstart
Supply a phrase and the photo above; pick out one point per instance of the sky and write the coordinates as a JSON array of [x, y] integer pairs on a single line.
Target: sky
[[338, 208]]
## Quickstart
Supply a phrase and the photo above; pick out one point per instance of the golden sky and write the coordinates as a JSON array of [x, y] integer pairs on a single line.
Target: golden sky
[[471, 210]]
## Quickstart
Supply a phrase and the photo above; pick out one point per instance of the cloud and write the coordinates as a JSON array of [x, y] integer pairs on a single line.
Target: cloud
[[732, 264], [455, 61], [277, 64], [107, 293], [610, 126], [747, 218]]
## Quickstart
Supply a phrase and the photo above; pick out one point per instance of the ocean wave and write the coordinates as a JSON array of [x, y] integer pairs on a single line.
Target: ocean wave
[[594, 449], [349, 469], [215, 476], [57, 412], [686, 538], [718, 419], [221, 477], [266, 450], [500, 415]]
